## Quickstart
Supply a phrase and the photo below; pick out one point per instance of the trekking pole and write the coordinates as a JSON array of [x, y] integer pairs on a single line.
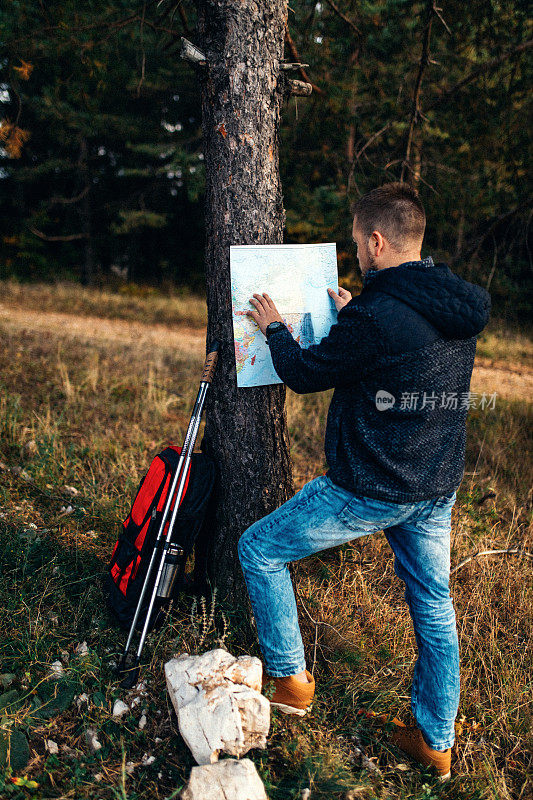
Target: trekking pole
[[180, 477]]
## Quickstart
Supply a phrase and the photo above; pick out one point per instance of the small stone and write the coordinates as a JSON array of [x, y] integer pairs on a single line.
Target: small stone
[[71, 490], [306, 794], [82, 701], [64, 656], [52, 747], [142, 722], [92, 740], [56, 669], [130, 766], [81, 649], [120, 708], [30, 448], [99, 776], [135, 702], [147, 760]]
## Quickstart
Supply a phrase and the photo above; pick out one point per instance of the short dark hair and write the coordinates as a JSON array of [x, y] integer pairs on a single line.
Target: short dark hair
[[395, 210]]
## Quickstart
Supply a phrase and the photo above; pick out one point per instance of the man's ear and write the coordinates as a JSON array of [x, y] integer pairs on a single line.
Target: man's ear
[[377, 243]]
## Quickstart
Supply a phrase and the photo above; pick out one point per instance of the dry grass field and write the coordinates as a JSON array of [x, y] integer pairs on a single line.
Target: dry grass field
[[92, 383]]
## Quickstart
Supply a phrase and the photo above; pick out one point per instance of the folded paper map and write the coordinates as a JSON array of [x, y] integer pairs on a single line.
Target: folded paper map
[[296, 277]]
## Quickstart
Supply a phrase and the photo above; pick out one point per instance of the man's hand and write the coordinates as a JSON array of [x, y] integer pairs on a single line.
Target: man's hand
[[340, 299], [265, 313]]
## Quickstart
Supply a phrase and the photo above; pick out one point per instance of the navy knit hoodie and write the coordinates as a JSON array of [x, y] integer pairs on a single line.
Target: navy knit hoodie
[[400, 358]]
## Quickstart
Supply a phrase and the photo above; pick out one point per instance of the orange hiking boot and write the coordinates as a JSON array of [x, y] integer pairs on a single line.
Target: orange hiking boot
[[411, 741], [290, 695]]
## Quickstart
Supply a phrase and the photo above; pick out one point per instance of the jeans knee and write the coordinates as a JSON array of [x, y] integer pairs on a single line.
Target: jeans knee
[[242, 547], [434, 611]]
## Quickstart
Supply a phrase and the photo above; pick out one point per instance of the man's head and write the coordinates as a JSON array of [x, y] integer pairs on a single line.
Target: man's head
[[388, 226]]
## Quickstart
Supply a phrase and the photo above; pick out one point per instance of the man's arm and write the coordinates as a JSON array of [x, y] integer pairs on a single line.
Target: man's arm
[[339, 359]]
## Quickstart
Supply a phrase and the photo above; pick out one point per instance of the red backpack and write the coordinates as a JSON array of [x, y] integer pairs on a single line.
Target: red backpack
[[132, 552]]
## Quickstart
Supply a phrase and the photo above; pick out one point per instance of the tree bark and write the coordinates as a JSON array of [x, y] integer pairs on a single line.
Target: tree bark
[[246, 429]]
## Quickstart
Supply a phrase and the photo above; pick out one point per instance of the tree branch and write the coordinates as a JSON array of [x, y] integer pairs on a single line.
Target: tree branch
[[69, 238], [424, 61], [65, 201], [480, 71], [475, 245], [343, 16], [295, 57], [490, 553]]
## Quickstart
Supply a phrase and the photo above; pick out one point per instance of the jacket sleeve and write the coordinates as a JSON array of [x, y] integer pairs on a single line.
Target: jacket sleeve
[[339, 359]]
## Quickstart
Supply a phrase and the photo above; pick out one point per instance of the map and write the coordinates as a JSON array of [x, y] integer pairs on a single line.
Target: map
[[296, 277]]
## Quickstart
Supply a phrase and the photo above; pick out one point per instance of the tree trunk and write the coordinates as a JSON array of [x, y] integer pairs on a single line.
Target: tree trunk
[[246, 429], [87, 267]]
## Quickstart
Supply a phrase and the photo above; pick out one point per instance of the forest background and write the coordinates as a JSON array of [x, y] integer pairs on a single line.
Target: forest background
[[101, 163]]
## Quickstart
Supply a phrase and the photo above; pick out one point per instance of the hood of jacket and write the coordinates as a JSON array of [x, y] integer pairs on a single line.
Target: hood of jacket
[[457, 308]]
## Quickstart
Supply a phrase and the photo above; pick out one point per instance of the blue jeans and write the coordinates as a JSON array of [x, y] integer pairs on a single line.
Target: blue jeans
[[324, 515]]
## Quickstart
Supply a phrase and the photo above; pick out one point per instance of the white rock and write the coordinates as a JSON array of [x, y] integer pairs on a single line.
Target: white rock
[[52, 747], [130, 766], [81, 701], [92, 740], [71, 490], [56, 669], [218, 703], [147, 760], [82, 649], [120, 708], [99, 776], [237, 780], [142, 722]]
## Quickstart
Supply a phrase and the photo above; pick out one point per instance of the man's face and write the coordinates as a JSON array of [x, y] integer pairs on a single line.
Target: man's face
[[364, 254]]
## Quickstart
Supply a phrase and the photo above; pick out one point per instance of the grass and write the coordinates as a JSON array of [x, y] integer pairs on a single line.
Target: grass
[[130, 302], [89, 414]]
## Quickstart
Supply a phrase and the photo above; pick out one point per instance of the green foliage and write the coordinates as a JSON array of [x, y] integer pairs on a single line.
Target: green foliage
[[98, 102]]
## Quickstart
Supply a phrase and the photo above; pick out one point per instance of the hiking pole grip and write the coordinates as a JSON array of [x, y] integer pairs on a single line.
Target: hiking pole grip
[[211, 362]]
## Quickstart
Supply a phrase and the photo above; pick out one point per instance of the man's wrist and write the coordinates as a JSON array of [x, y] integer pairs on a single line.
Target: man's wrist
[[273, 327]]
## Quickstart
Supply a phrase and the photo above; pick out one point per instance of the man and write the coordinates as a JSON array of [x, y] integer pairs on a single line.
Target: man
[[400, 358]]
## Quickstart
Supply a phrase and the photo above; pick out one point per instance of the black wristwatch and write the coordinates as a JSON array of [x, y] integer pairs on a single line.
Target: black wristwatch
[[273, 327]]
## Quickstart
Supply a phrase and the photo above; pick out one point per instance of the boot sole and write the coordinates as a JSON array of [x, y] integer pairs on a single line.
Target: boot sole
[[298, 712]]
